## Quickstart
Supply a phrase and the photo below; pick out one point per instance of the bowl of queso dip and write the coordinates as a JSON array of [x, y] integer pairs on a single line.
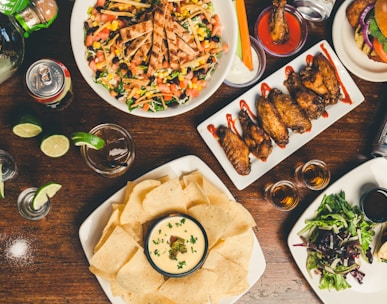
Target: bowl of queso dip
[[297, 29], [176, 245]]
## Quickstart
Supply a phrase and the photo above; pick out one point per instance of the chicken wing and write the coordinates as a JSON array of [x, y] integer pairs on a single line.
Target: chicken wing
[[278, 25], [236, 150], [322, 64], [309, 101], [256, 139], [290, 112], [271, 122]]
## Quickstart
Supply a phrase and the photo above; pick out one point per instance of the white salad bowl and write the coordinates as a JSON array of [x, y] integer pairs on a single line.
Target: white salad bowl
[[227, 14]]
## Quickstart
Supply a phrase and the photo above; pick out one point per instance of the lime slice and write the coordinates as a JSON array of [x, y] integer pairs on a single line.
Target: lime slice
[[27, 126], [1, 181], [90, 140], [44, 193], [55, 145]]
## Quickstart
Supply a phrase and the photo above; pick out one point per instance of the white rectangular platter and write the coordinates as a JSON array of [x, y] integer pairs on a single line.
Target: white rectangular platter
[[296, 141], [91, 229]]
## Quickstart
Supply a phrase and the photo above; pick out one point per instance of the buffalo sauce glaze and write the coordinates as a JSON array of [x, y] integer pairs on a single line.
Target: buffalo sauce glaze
[[346, 98], [294, 34]]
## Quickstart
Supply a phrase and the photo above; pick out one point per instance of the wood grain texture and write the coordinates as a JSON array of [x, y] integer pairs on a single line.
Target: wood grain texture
[[56, 270]]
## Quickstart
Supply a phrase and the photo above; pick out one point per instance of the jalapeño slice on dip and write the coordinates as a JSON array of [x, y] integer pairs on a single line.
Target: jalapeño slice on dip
[[176, 245]]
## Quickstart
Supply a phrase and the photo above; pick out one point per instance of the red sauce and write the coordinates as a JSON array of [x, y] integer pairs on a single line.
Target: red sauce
[[244, 106], [265, 89], [309, 60], [211, 128], [346, 98], [294, 34], [288, 70]]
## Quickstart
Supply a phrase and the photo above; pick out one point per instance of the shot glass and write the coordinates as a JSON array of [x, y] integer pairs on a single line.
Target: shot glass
[[115, 158], [283, 195], [8, 165], [26, 210], [314, 175]]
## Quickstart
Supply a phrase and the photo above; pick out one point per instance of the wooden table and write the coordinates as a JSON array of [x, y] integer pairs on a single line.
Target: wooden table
[[56, 270]]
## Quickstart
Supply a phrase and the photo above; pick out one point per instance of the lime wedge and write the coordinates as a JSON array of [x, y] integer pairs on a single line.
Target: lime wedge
[[44, 193], [55, 145], [90, 140], [1, 181], [27, 126]]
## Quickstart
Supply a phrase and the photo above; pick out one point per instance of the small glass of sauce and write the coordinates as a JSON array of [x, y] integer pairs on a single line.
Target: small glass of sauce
[[374, 204], [298, 32]]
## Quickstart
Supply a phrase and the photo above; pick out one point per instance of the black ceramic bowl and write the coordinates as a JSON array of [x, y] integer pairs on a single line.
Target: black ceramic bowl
[[176, 245]]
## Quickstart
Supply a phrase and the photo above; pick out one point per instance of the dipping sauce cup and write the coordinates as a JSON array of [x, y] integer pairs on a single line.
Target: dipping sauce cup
[[240, 76], [373, 203], [298, 32], [176, 245]]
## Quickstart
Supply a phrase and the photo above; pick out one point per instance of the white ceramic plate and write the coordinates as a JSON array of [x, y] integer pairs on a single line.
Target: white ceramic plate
[[374, 287], [226, 12], [91, 229], [350, 54], [296, 141]]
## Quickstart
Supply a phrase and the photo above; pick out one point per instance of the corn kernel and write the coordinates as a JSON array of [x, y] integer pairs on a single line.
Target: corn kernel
[[96, 45]]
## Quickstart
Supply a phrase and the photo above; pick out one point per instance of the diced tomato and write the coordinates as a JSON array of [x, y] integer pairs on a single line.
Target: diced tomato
[[107, 17], [379, 49], [164, 88], [89, 40], [202, 83], [183, 84], [101, 2], [92, 65], [192, 92], [103, 34], [100, 56]]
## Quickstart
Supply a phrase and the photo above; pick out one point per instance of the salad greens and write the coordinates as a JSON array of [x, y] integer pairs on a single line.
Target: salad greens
[[335, 239]]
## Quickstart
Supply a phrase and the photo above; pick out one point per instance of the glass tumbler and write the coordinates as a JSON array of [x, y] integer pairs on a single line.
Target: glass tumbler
[[115, 158]]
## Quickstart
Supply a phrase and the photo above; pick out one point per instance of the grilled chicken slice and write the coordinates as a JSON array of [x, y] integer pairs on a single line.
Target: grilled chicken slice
[[236, 150], [271, 121], [328, 72], [290, 112], [156, 56], [256, 139], [278, 25], [308, 100]]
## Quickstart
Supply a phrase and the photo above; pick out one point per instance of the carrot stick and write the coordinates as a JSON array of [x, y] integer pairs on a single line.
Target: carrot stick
[[244, 33]]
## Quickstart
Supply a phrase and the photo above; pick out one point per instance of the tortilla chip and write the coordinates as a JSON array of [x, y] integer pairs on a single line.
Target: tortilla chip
[[113, 221], [194, 195], [168, 197], [232, 279], [192, 289], [215, 221], [123, 246], [242, 219], [207, 186], [237, 248], [138, 276], [148, 298], [133, 211]]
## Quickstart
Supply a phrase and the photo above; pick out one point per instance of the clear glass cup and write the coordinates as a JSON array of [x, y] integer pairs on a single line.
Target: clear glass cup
[[115, 158], [314, 174], [26, 210], [283, 195], [8, 165]]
